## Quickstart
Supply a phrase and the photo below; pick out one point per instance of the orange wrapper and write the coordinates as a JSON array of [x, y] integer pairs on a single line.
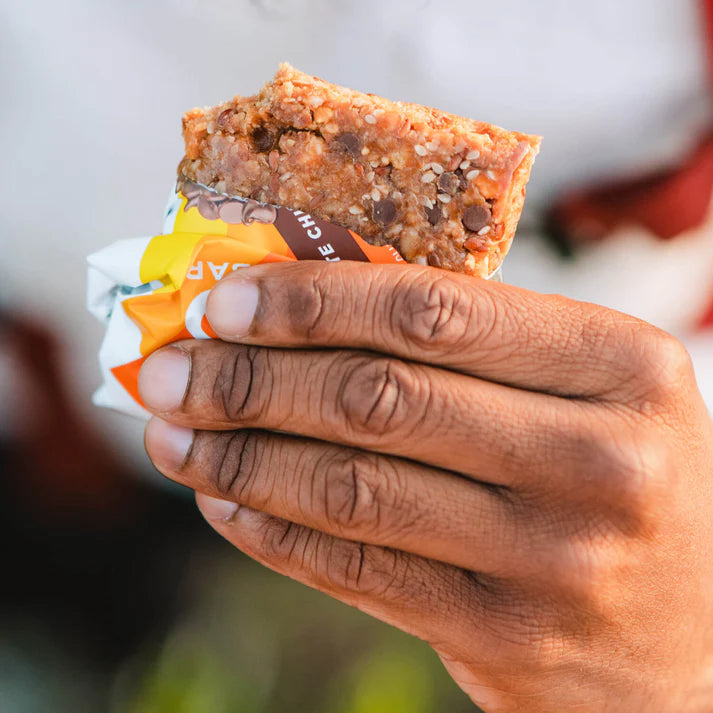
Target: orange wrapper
[[152, 291]]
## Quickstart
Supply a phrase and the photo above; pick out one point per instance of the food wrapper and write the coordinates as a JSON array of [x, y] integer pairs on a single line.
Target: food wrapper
[[152, 291]]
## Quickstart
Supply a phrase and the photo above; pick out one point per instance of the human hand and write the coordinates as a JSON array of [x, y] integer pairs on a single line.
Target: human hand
[[521, 480]]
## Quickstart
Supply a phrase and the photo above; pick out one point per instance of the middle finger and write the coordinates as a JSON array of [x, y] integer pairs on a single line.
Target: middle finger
[[487, 431], [351, 494]]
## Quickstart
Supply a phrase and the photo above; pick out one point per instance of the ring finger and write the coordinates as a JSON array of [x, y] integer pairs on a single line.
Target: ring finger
[[352, 494]]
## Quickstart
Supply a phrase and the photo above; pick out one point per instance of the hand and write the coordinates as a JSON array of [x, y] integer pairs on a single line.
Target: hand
[[521, 480]]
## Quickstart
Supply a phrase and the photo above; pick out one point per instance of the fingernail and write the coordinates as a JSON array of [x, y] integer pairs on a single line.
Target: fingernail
[[166, 444], [214, 509], [231, 307], [163, 379]]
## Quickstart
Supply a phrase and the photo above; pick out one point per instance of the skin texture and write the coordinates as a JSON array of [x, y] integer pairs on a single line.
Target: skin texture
[[521, 480]]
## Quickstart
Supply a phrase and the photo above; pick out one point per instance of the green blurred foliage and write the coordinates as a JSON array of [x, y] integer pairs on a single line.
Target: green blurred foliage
[[250, 641]]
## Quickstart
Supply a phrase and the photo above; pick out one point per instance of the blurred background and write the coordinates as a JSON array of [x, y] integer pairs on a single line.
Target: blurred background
[[115, 596]]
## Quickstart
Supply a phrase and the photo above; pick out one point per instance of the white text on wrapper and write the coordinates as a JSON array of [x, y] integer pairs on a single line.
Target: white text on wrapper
[[197, 271], [314, 232]]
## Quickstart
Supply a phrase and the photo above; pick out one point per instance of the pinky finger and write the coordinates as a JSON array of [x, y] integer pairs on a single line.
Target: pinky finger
[[431, 600]]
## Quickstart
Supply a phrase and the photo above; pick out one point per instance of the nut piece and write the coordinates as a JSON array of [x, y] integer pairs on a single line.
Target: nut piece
[[223, 118]]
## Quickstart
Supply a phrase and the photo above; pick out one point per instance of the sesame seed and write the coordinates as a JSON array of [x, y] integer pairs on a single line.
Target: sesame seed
[[431, 145], [285, 176], [484, 231], [472, 155], [373, 164], [420, 150], [464, 165], [355, 210], [428, 177], [437, 168], [420, 260], [444, 198], [364, 151], [426, 201], [370, 176], [375, 195], [370, 119], [385, 160], [397, 194], [472, 175], [491, 175]]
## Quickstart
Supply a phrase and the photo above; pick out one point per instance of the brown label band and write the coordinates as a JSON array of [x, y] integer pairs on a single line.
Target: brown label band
[[312, 238]]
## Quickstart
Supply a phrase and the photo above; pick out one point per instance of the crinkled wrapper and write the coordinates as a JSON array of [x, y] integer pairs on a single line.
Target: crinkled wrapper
[[152, 291]]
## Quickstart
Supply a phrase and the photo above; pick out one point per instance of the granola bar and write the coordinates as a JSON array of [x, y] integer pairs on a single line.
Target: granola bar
[[443, 190]]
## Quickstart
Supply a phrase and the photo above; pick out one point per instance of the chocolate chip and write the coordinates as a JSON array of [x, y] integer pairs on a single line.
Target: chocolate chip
[[255, 212], [263, 140], [463, 179], [476, 217], [232, 212], [449, 183], [434, 260], [207, 208], [191, 203], [224, 118], [384, 211], [351, 142], [434, 214], [190, 189]]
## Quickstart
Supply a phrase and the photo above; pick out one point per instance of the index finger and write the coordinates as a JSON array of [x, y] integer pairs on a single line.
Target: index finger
[[493, 331]]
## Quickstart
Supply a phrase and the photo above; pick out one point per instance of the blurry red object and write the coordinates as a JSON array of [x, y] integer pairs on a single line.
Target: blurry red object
[[667, 203]]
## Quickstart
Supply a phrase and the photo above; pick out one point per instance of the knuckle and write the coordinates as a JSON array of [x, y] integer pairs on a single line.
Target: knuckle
[[235, 387], [586, 572], [311, 304], [375, 394], [662, 363], [285, 542], [634, 471], [427, 314], [356, 495]]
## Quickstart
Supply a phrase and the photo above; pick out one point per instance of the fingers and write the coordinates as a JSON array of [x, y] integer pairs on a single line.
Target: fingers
[[497, 332], [434, 601], [350, 494], [490, 432]]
